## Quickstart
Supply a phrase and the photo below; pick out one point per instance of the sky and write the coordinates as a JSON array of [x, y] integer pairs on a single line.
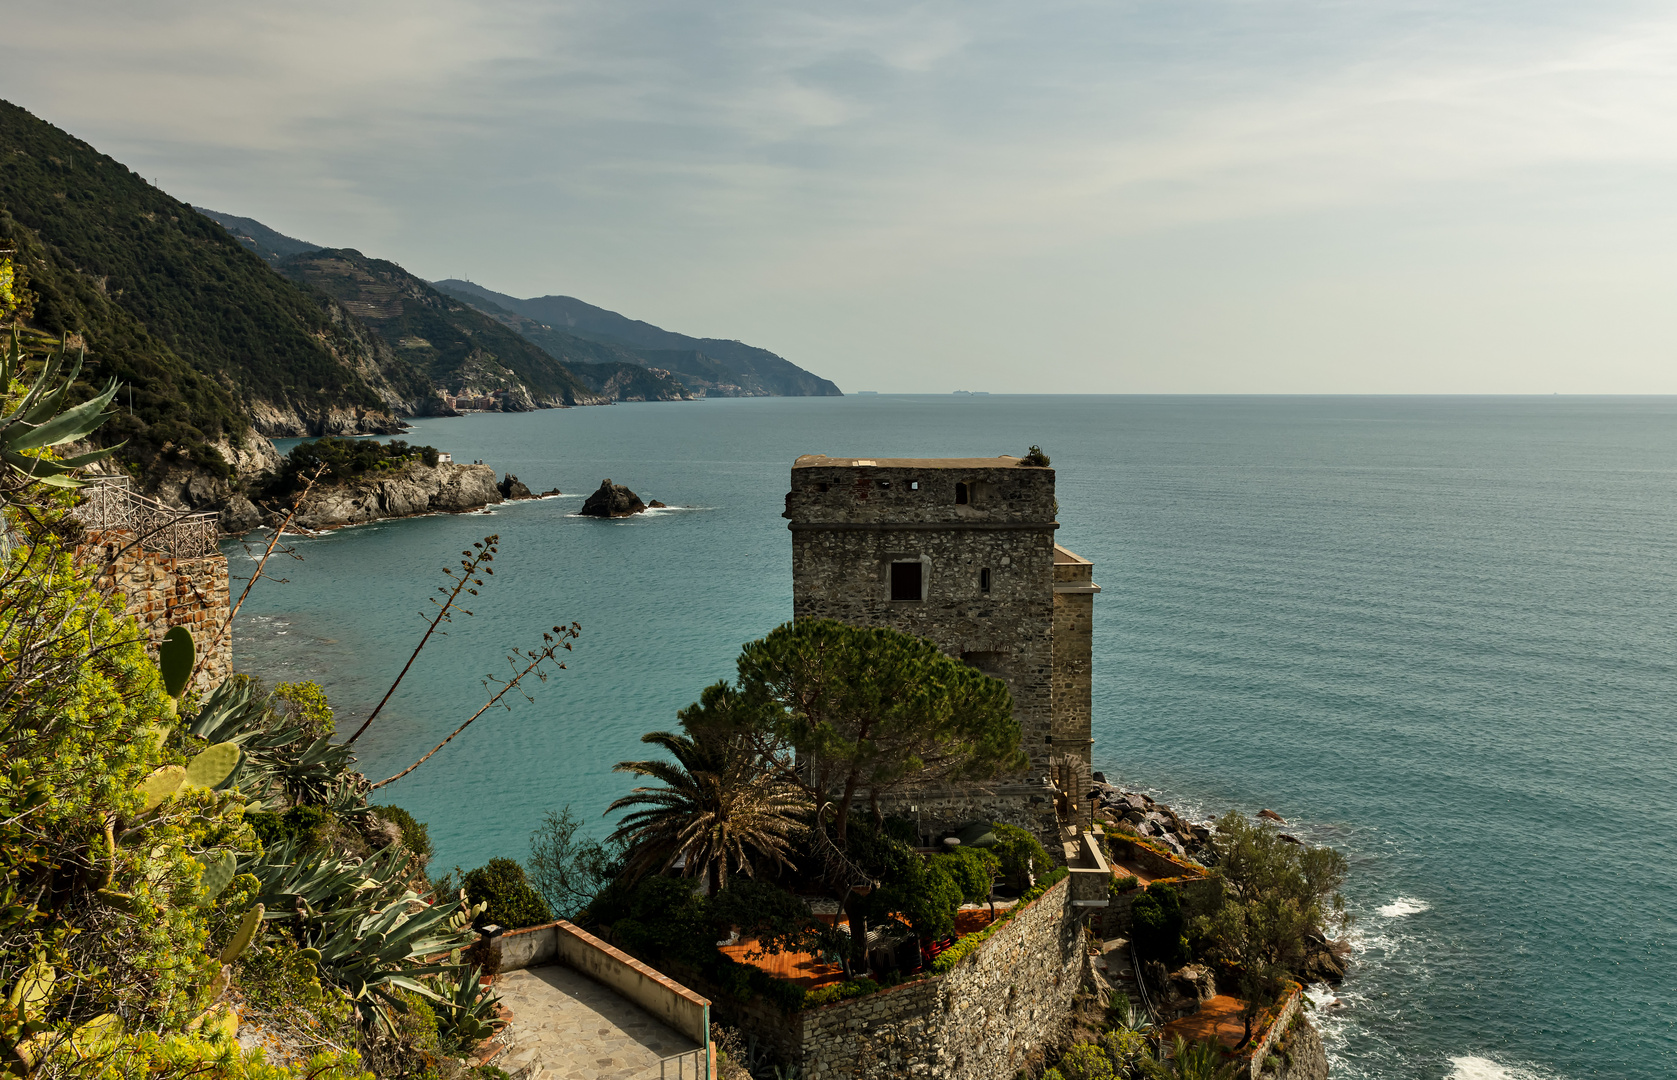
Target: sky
[[1167, 196]]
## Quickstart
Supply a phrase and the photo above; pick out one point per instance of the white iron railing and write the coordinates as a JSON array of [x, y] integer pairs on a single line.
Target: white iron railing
[[110, 504]]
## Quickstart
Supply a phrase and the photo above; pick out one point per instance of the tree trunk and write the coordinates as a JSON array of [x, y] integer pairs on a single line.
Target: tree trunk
[[854, 907]]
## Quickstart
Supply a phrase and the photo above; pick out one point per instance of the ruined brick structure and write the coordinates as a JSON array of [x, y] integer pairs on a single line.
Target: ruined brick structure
[[960, 551]]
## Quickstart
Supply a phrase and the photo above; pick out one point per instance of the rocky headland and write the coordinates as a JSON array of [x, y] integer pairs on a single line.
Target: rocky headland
[[415, 488]]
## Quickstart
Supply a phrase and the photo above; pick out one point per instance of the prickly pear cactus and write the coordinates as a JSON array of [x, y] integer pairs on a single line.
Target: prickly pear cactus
[[175, 657], [213, 765], [218, 874], [29, 994], [241, 937], [162, 784]]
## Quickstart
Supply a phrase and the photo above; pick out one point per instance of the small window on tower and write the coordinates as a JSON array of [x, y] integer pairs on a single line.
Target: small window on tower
[[984, 580], [961, 495], [906, 581], [914, 485], [820, 487]]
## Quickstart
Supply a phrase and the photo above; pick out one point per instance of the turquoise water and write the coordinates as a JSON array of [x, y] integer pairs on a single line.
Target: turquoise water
[[1437, 633]]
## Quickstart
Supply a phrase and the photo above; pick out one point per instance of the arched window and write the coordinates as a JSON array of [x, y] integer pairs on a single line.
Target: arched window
[[961, 495]]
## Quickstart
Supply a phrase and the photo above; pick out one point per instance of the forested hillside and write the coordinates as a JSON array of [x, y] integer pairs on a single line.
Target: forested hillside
[[718, 362], [271, 245], [464, 350], [210, 342]]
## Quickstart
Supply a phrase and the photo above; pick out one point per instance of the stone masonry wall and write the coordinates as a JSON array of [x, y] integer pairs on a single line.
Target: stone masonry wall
[[850, 523], [162, 593], [979, 1021], [1074, 622]]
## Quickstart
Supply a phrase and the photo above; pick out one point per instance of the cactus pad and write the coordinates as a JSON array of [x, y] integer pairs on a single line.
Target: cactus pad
[[241, 938], [213, 766], [175, 657], [218, 874], [162, 784]]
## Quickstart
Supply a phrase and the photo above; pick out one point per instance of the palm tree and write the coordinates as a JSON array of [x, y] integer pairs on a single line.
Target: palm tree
[[719, 806], [1191, 1061]]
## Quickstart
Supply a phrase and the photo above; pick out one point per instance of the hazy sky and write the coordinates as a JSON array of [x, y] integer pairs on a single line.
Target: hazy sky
[[1169, 196]]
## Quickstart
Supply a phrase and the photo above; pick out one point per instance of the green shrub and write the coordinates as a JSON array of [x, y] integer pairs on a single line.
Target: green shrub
[[1156, 925], [1086, 1061], [1053, 1074], [512, 902], [972, 870], [304, 825], [1123, 884], [1021, 856], [844, 991], [415, 836]]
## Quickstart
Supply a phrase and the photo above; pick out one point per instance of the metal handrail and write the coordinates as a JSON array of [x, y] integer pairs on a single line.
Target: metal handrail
[[699, 1056], [110, 504], [1141, 984]]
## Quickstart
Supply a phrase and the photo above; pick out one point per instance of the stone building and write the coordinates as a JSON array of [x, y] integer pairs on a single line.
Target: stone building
[[961, 551]]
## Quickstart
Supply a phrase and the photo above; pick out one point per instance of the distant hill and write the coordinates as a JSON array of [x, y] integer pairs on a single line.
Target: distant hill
[[215, 347], [466, 351], [272, 246], [752, 370]]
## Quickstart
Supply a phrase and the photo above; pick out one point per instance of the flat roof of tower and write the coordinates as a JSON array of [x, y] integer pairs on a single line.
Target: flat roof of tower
[[811, 461]]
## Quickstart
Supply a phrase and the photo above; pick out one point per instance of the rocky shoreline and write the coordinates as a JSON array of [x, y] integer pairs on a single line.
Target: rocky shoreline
[[413, 489], [1138, 814]]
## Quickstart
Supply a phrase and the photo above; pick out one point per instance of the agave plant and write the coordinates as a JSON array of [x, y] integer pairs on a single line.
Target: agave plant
[[370, 933], [40, 420], [279, 757], [465, 1008]]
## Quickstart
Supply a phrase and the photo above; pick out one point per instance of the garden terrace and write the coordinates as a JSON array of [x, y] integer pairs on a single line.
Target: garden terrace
[[806, 970]]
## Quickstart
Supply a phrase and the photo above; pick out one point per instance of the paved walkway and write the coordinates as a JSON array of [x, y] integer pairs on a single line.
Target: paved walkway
[[576, 1029], [1218, 1018]]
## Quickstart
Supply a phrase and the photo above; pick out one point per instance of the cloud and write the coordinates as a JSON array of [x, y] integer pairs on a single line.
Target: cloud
[[681, 158]]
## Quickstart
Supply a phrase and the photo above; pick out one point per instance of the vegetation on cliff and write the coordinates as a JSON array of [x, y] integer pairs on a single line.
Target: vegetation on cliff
[[167, 855], [194, 325], [706, 360]]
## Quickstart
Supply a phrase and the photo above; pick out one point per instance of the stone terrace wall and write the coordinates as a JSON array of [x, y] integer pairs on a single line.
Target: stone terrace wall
[[163, 592], [979, 1021]]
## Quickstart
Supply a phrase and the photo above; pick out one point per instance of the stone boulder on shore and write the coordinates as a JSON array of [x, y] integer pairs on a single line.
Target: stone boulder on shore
[[612, 501]]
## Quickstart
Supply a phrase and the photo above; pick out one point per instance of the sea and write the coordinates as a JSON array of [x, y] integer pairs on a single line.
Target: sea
[[1436, 633]]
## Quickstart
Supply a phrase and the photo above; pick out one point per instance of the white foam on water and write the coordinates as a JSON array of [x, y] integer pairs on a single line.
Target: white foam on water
[[1479, 1068], [1404, 905]]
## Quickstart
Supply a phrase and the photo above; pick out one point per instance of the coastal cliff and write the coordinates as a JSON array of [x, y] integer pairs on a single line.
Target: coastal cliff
[[415, 488]]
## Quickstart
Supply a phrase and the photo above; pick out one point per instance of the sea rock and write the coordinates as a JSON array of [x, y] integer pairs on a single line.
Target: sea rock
[[551, 491], [240, 515], [511, 487], [416, 488], [1324, 960], [656, 505], [612, 500], [1271, 815]]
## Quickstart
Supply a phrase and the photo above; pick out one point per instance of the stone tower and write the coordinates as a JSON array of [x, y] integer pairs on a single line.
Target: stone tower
[[960, 551]]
